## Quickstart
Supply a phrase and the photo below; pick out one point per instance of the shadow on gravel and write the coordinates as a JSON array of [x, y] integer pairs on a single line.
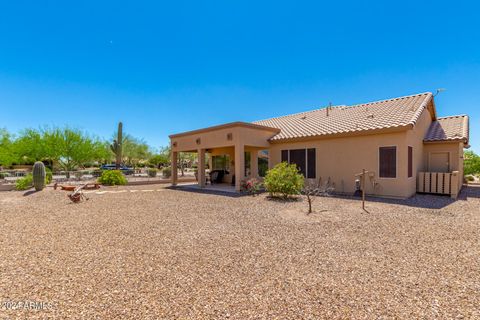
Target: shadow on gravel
[[26, 194], [208, 191], [283, 200], [426, 201]]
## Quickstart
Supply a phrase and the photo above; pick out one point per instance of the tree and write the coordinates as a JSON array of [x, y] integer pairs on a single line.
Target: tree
[[76, 148], [314, 189], [7, 155], [30, 146], [135, 151], [471, 163], [186, 159]]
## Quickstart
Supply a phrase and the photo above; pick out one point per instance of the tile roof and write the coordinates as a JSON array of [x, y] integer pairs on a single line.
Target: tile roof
[[391, 113], [448, 129]]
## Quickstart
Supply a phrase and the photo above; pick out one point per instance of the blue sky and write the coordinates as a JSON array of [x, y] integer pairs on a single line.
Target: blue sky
[[167, 67]]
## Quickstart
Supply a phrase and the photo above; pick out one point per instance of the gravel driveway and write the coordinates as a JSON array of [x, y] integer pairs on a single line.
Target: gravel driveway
[[159, 253]]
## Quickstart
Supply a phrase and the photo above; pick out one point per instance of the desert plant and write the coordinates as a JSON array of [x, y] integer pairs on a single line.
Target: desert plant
[[24, 183], [112, 178], [152, 172], [314, 189], [469, 178], [39, 176], [3, 175], [48, 175], [251, 186], [167, 172], [284, 179], [116, 146]]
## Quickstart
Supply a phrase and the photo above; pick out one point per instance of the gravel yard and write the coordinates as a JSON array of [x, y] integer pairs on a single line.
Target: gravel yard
[[160, 253]]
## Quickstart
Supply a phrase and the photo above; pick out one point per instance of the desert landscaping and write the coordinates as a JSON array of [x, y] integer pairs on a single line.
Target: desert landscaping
[[151, 252]]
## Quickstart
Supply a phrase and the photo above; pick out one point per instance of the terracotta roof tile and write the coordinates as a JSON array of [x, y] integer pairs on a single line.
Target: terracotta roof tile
[[448, 129], [391, 113]]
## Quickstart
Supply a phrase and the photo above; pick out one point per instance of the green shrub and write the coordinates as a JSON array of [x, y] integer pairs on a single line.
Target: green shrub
[[3, 175], [112, 178], [167, 172], [152, 172], [48, 176], [284, 179], [25, 182], [470, 178]]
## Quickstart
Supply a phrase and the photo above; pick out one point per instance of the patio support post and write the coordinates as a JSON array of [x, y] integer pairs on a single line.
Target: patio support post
[[239, 165], [201, 168], [254, 163], [174, 168]]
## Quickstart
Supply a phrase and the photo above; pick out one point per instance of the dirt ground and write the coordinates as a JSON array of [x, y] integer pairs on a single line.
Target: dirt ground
[[151, 253]]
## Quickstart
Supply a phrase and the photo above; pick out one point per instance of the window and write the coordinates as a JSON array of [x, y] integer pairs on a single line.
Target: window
[[262, 163], [311, 163], [410, 162], [221, 162], [305, 159], [388, 162]]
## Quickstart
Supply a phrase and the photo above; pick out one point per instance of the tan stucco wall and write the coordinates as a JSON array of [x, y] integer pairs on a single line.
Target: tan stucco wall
[[241, 136], [415, 139], [342, 158]]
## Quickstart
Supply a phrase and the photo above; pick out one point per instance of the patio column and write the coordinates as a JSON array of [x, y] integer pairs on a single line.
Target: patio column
[[201, 168], [239, 165], [254, 163], [174, 168]]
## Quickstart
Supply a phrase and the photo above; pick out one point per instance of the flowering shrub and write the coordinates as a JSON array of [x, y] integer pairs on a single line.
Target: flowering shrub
[[251, 186]]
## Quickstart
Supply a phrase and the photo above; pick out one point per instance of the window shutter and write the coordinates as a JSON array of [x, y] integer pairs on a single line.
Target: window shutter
[[388, 162], [410, 162], [311, 163]]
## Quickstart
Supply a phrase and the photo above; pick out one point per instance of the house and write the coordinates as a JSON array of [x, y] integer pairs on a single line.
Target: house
[[401, 142]]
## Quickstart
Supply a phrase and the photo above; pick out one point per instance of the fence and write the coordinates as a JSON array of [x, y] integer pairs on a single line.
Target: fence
[[439, 183]]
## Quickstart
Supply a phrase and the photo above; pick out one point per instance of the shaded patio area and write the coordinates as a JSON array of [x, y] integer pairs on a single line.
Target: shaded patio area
[[223, 188]]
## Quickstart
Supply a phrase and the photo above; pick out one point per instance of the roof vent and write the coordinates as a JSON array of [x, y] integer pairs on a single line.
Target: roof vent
[[303, 118], [370, 116]]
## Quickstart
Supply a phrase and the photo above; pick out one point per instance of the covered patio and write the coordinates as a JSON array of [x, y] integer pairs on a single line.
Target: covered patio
[[232, 148]]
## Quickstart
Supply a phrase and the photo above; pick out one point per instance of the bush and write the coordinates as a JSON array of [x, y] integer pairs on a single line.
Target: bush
[[25, 182], [469, 178], [48, 175], [112, 178], [3, 175], [251, 186], [284, 179], [152, 172], [167, 172]]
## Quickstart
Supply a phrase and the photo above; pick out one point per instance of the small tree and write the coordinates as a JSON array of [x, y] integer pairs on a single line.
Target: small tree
[[284, 179], [472, 163], [314, 189]]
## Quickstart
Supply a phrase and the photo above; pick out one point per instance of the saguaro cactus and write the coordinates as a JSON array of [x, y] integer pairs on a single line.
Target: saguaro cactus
[[116, 146], [39, 176]]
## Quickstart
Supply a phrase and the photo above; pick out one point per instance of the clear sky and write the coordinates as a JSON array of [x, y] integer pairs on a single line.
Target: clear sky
[[164, 67]]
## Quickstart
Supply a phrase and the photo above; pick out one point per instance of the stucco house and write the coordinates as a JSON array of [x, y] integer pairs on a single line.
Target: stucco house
[[402, 143]]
